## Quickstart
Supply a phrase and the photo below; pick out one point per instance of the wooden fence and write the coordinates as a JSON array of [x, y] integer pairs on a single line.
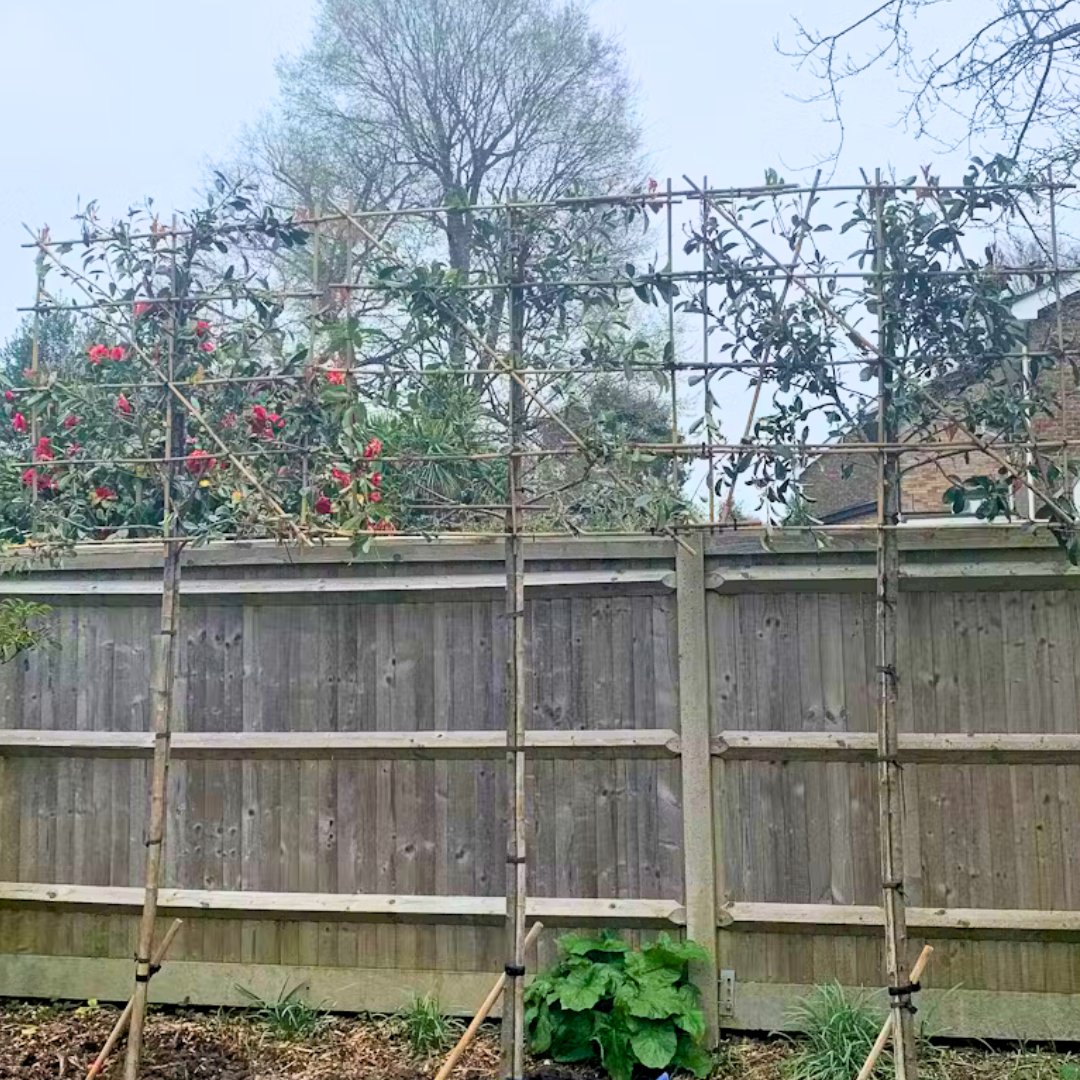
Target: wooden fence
[[702, 760]]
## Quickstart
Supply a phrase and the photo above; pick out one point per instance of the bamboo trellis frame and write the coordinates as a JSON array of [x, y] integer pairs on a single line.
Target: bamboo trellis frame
[[888, 451]]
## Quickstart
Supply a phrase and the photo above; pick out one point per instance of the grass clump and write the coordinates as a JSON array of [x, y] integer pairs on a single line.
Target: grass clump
[[838, 1034], [287, 1015], [425, 1027]]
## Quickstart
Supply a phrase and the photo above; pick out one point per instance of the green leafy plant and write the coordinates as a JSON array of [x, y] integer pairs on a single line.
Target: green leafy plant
[[425, 1027], [288, 1015], [20, 627], [607, 1002], [839, 1032]]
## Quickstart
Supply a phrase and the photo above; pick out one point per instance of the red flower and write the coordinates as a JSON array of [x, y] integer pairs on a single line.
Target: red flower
[[202, 328], [228, 421], [43, 451], [384, 526], [376, 479], [343, 479], [9, 396], [33, 479], [69, 421], [116, 352], [336, 377], [100, 495], [258, 420], [73, 448], [223, 464], [276, 419], [199, 462], [373, 448], [206, 346], [97, 353], [143, 307], [653, 185], [323, 505], [124, 405], [375, 496], [18, 423]]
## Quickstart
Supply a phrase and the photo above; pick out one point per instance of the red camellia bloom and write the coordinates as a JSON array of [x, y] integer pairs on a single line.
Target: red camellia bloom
[[375, 496], [202, 328], [142, 307], [206, 346], [97, 353], [384, 526], [43, 450], [276, 419], [323, 505], [373, 448], [18, 423], [103, 493], [343, 479], [9, 396], [376, 479], [336, 377], [258, 420], [116, 352], [199, 462], [69, 421], [73, 448], [39, 481], [124, 405], [228, 421]]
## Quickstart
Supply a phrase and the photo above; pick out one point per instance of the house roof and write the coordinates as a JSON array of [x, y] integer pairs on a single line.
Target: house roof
[[1026, 307]]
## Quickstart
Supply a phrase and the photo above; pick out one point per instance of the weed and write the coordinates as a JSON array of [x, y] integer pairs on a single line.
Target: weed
[[425, 1027], [288, 1015], [839, 1033]]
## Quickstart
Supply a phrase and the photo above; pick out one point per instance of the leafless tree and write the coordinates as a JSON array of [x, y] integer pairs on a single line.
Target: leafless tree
[[1011, 75], [452, 102]]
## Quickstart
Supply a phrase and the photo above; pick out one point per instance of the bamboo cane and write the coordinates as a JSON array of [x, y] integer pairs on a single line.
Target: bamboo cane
[[121, 1025], [481, 1016], [886, 1028]]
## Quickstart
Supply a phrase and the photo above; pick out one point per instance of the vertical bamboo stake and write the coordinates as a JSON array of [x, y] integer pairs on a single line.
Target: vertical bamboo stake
[[35, 361], [513, 1025], [1063, 384], [671, 346], [312, 329], [705, 347], [161, 694], [890, 790]]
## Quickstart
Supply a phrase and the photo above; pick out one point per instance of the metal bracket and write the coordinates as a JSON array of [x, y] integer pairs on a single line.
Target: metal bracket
[[727, 992]]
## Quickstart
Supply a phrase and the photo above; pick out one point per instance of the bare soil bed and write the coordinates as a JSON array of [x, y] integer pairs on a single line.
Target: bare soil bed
[[59, 1042]]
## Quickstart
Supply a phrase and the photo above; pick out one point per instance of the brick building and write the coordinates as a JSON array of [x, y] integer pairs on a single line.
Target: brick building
[[843, 488]]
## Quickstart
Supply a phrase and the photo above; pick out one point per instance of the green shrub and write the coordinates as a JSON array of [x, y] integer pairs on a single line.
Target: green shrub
[[606, 1002], [839, 1033], [425, 1027]]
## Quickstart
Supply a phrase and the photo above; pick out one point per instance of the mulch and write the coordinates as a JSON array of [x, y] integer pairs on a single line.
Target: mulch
[[59, 1042]]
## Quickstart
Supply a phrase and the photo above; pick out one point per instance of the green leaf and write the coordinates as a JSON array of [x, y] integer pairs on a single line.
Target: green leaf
[[692, 1057], [583, 988], [541, 1030], [654, 1044], [581, 945], [615, 1052]]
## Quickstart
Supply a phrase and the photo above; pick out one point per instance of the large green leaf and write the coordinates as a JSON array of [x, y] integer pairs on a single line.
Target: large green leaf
[[541, 1030], [651, 997], [584, 987], [692, 1057], [654, 1044], [666, 952], [615, 1053], [572, 1039], [582, 945]]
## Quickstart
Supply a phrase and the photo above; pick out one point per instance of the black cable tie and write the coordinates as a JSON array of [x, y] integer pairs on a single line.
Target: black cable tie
[[903, 991], [514, 971], [517, 860], [155, 968]]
